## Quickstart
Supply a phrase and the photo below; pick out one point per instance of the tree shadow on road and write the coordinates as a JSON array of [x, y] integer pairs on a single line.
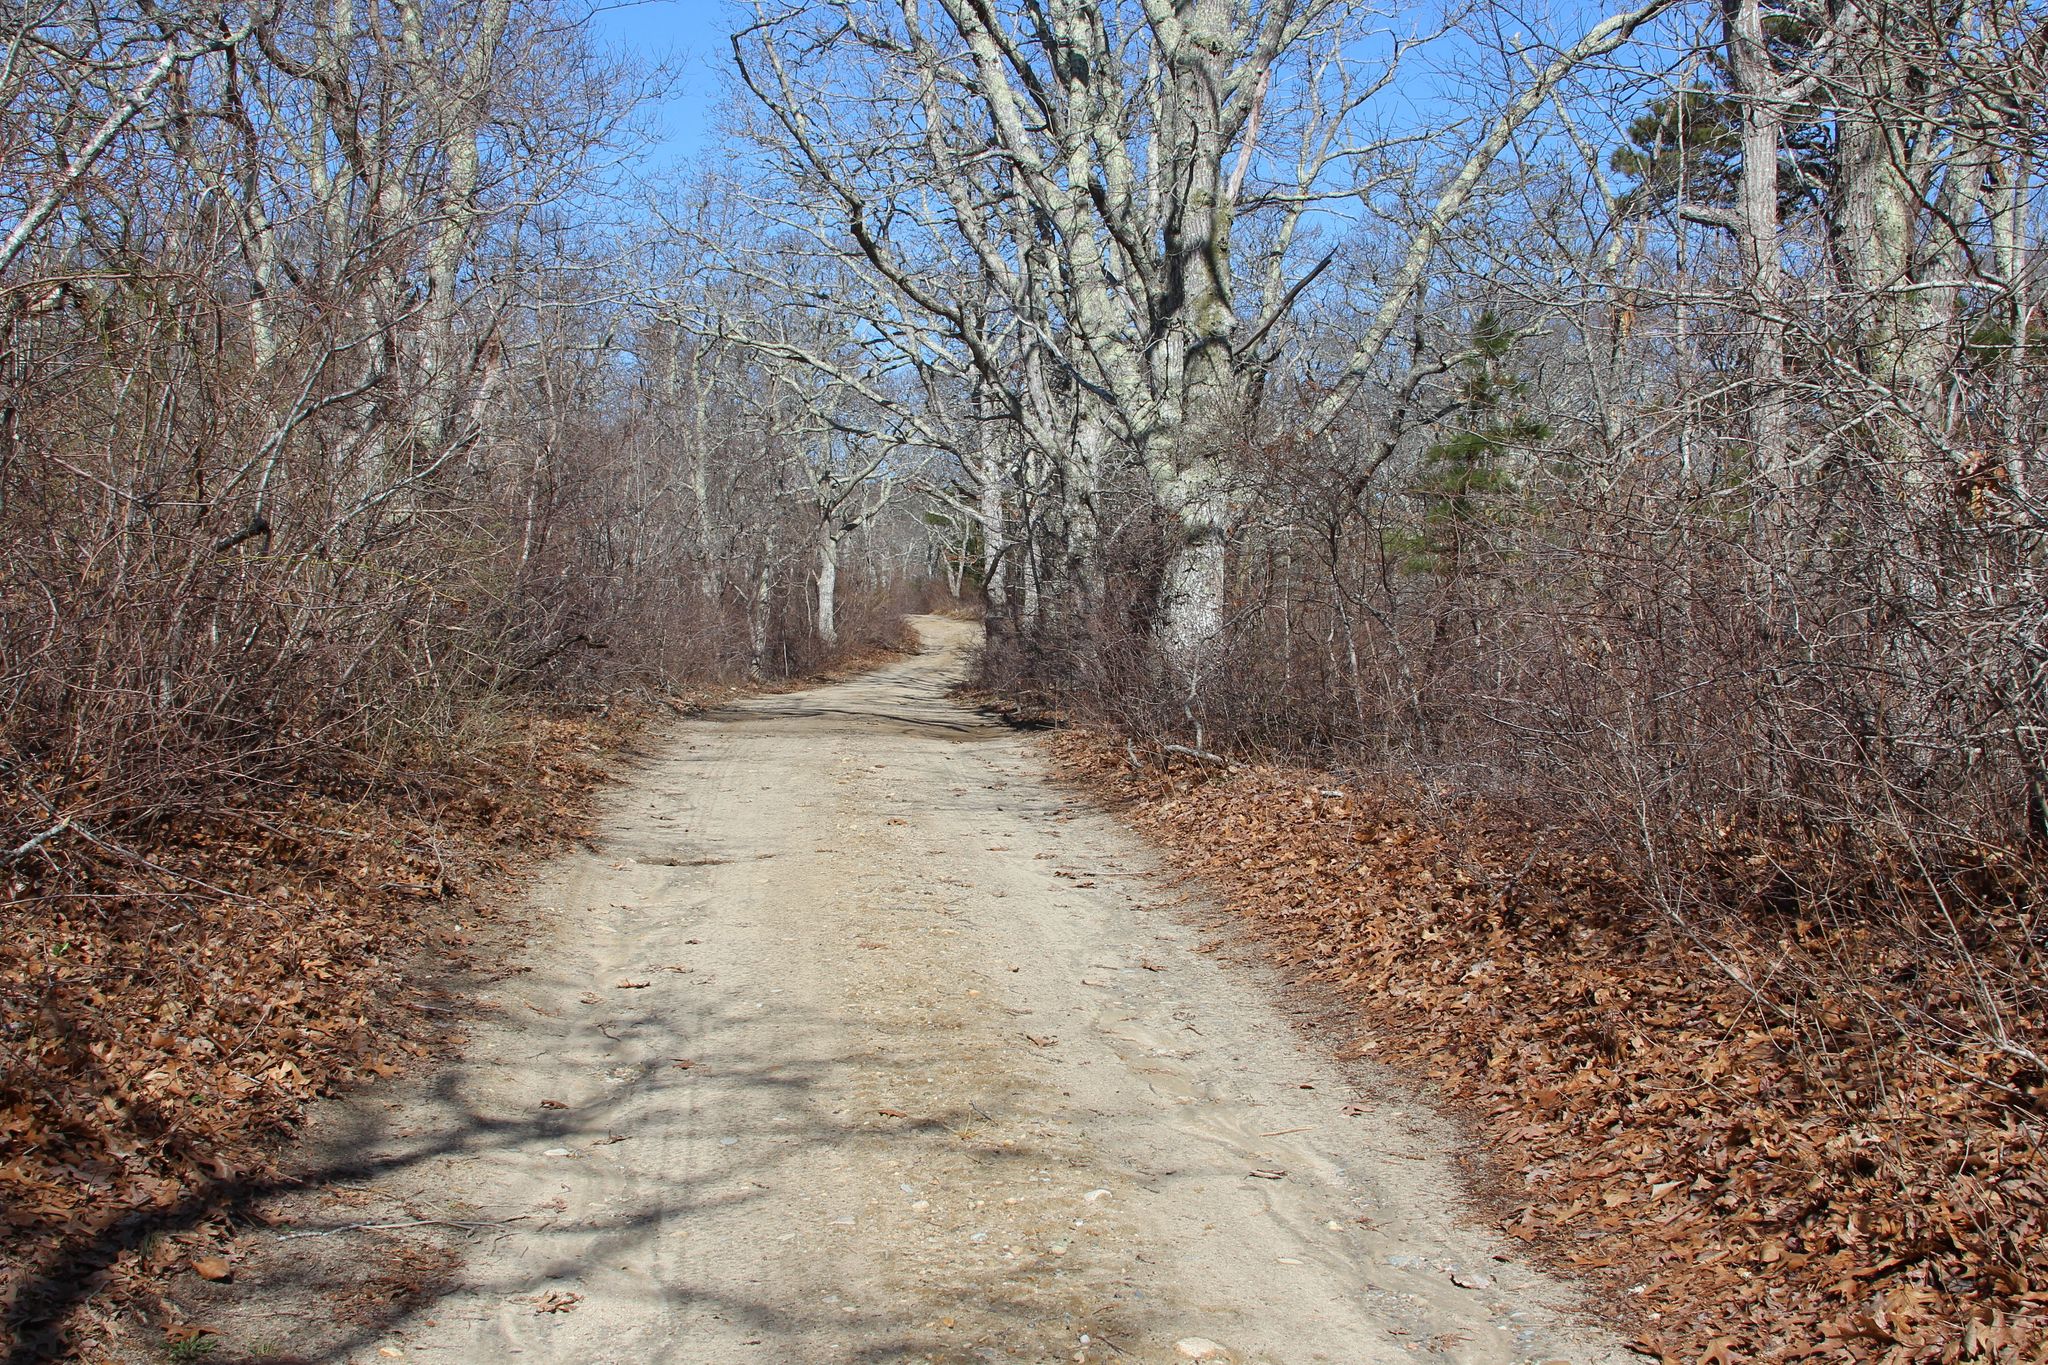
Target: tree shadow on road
[[371, 1236]]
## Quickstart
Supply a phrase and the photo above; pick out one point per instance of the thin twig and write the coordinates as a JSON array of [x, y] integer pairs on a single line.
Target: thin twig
[[39, 840], [131, 855]]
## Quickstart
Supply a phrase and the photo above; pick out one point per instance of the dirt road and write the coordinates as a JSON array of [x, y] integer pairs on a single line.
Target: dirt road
[[859, 1041]]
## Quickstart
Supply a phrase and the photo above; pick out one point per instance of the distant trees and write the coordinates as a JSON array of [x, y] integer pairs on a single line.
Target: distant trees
[[1658, 439], [326, 408], [1105, 210]]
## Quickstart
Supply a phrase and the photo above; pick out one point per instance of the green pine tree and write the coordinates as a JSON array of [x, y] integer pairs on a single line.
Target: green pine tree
[[1691, 141], [1465, 478]]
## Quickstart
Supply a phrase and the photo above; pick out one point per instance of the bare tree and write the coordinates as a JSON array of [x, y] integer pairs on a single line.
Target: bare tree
[[1105, 171]]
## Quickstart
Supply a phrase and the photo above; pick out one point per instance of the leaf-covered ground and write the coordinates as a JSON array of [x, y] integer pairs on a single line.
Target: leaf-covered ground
[[1782, 1139], [160, 1038]]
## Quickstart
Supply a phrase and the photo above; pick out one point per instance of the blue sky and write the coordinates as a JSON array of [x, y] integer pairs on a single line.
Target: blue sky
[[691, 36]]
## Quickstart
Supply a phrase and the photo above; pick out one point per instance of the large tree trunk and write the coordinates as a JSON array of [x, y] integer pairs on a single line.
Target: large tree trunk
[[1202, 414], [709, 578], [828, 584], [758, 608], [460, 106], [1189, 617], [1080, 497], [994, 520], [1906, 202], [1872, 225], [993, 460]]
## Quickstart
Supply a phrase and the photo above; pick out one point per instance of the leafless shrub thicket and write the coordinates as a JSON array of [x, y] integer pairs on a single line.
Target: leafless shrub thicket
[[327, 412]]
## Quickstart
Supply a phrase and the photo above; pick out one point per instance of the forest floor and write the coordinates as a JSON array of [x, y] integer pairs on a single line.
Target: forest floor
[[853, 1036]]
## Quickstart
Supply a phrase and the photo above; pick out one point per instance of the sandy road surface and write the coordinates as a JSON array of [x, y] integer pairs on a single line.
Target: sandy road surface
[[870, 1045]]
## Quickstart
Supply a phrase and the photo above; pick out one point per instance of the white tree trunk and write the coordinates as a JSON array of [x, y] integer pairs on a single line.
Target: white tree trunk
[[1873, 202], [460, 106], [1190, 610], [758, 608], [828, 583], [994, 519], [1080, 485]]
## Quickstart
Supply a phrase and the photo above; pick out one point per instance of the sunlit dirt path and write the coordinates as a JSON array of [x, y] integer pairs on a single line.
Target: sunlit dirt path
[[858, 1040]]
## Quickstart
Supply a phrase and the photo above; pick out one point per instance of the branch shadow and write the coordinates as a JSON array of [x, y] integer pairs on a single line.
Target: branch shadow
[[407, 1277], [327, 1289]]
